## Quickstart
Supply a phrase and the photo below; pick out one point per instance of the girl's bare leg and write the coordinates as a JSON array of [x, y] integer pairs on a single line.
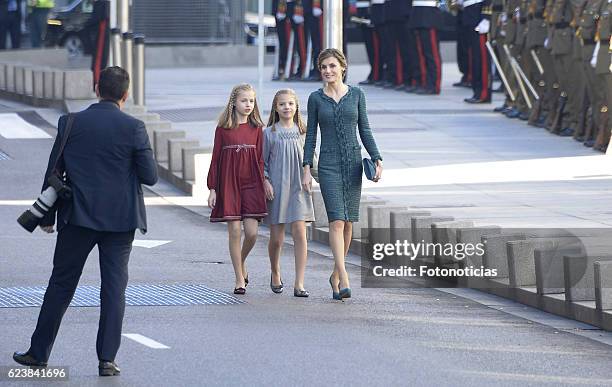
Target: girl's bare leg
[[234, 233], [277, 238], [300, 248]]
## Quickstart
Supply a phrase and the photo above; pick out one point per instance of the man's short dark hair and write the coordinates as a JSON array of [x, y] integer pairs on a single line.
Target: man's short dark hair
[[114, 82]]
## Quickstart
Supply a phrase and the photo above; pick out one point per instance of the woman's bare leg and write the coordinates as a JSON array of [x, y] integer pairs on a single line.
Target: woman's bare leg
[[300, 248], [277, 238], [234, 233]]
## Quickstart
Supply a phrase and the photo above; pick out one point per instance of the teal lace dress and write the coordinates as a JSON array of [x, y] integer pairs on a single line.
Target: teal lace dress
[[340, 168]]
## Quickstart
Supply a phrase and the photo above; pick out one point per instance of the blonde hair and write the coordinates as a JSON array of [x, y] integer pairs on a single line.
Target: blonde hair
[[229, 117], [297, 117], [333, 53]]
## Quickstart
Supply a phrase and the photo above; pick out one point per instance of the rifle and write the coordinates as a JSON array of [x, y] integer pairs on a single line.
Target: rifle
[[501, 71], [515, 69]]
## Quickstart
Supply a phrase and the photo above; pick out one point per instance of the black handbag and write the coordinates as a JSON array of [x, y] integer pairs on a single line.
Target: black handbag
[[369, 168]]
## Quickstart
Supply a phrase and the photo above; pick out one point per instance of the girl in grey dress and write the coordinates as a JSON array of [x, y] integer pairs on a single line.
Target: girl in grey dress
[[288, 203]]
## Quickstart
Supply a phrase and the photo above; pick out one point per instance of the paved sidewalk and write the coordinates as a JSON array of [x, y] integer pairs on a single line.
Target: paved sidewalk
[[440, 153]]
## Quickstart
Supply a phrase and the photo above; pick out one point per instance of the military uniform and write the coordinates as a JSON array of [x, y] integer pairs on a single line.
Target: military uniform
[[464, 52], [534, 46], [587, 26], [313, 23], [425, 19], [396, 12], [561, 50], [474, 11], [377, 13], [372, 44], [604, 75]]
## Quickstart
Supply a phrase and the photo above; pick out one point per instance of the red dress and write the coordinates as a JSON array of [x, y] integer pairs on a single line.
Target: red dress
[[236, 174]]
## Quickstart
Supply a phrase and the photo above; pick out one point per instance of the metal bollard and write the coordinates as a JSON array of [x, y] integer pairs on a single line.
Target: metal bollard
[[127, 56], [332, 20], [116, 46], [139, 71]]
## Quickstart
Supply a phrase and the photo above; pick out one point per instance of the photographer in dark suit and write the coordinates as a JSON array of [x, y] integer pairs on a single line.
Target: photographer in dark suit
[[106, 159]]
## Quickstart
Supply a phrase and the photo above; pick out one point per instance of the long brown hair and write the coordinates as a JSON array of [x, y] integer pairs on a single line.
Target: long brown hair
[[229, 119], [297, 117]]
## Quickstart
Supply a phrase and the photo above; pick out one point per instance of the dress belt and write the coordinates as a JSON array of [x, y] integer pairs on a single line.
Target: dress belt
[[238, 147]]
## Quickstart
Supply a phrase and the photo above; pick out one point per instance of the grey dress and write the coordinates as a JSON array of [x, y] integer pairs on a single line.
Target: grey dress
[[340, 167], [283, 155]]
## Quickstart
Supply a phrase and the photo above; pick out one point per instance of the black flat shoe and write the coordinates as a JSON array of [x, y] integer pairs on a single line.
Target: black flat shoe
[[108, 368], [25, 359], [239, 290], [300, 293], [276, 288]]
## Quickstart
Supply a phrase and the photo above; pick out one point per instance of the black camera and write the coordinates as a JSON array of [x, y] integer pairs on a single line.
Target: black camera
[[31, 218]]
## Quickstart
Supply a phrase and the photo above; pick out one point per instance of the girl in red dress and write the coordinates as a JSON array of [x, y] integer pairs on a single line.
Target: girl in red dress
[[236, 176]]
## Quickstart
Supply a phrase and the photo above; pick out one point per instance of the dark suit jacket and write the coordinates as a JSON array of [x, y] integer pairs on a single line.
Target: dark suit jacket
[[4, 8], [106, 159]]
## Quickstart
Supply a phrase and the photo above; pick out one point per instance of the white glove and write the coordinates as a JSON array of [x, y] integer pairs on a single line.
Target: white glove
[[504, 17], [483, 27], [546, 43], [594, 57], [280, 16], [316, 12], [298, 19]]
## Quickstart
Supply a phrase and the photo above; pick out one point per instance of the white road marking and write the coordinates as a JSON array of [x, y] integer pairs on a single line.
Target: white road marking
[[14, 127], [145, 341], [148, 243]]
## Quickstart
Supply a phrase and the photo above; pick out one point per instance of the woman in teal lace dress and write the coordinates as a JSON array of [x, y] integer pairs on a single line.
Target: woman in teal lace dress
[[338, 110]]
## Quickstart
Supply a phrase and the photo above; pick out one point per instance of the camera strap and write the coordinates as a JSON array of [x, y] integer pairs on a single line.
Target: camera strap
[[64, 141]]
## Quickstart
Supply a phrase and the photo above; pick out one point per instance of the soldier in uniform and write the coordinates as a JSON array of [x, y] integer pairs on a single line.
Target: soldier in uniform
[[396, 12], [603, 70], [313, 15], [561, 50], [509, 27], [476, 16], [377, 12], [99, 27], [464, 51], [295, 14], [371, 42], [425, 19], [283, 31], [587, 29], [536, 37]]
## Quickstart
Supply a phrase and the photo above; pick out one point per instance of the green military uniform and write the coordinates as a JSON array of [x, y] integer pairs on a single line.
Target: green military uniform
[[585, 33], [507, 32], [561, 50], [604, 74], [536, 37], [556, 88], [521, 53]]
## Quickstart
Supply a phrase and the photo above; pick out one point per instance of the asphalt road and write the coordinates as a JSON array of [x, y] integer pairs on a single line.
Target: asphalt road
[[407, 337]]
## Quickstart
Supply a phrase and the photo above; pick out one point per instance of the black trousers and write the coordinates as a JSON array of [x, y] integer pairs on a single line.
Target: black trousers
[[73, 245], [399, 58], [283, 31], [430, 60], [464, 52], [11, 25], [481, 66], [314, 29]]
